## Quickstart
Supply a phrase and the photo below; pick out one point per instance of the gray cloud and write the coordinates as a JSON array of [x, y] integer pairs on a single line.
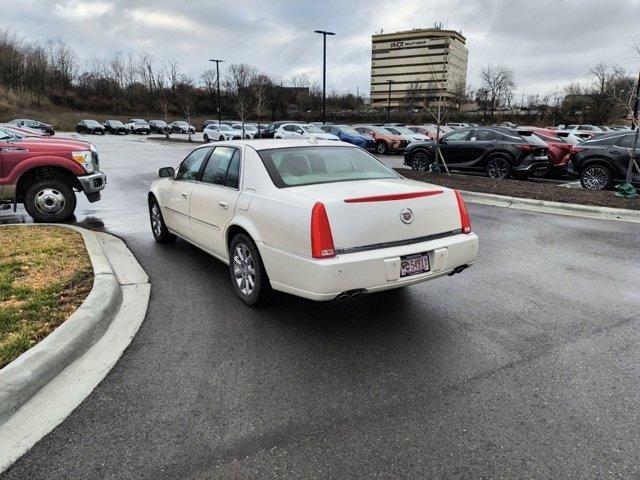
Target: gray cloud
[[547, 42]]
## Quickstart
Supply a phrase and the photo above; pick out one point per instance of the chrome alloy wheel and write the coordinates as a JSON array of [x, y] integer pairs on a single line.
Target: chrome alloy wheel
[[595, 178], [156, 220], [50, 201], [244, 269]]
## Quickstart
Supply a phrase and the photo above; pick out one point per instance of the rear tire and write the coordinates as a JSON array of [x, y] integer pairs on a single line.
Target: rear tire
[[50, 200], [498, 168], [248, 275], [596, 177], [158, 227]]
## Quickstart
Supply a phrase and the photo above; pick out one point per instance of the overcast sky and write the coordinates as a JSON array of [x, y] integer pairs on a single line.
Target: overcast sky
[[546, 42]]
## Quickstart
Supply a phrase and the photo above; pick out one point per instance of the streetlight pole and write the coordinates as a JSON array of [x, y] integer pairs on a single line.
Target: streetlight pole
[[324, 34], [389, 100], [218, 86]]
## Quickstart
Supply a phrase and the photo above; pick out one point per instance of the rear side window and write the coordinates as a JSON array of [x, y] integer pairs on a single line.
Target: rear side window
[[290, 167], [627, 141], [191, 165], [604, 140], [483, 136], [223, 167]]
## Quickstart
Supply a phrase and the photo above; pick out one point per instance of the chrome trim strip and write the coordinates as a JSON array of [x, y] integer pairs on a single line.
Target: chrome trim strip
[[399, 243]]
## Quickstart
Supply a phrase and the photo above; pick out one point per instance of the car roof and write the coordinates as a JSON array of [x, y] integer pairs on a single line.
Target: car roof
[[270, 144]]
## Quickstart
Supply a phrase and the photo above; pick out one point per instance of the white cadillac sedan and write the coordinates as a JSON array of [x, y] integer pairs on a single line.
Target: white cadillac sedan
[[317, 219]]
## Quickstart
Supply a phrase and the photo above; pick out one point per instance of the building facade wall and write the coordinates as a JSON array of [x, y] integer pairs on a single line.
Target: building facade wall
[[426, 64]]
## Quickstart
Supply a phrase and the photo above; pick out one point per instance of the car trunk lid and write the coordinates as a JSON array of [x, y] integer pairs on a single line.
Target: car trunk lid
[[384, 212]]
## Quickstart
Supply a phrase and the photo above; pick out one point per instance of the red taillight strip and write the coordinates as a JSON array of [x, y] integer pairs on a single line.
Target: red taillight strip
[[393, 196], [465, 221]]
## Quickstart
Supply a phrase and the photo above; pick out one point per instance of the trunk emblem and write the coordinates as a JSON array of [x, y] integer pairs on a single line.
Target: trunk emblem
[[406, 215]]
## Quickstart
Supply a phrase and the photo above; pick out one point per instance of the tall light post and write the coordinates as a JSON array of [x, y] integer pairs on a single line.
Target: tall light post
[[324, 34], [389, 100], [218, 86]]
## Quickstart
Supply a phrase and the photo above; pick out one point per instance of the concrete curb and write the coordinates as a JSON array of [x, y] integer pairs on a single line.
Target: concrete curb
[[573, 209], [45, 384], [32, 370]]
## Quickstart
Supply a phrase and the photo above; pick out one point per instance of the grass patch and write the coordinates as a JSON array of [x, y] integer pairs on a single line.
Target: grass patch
[[45, 275]]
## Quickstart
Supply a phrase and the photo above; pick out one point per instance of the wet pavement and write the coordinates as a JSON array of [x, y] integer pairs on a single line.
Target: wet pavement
[[525, 366]]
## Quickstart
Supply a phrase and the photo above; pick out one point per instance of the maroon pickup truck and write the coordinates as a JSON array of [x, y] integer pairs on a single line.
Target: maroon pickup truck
[[44, 174]]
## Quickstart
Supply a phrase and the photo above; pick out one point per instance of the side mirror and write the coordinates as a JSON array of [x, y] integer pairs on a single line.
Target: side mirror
[[166, 172]]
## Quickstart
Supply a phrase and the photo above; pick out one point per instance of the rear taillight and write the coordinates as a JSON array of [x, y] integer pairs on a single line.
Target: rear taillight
[[526, 147], [321, 238], [465, 221]]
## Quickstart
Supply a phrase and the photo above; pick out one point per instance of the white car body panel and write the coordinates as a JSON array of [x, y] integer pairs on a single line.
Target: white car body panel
[[278, 220], [213, 132], [282, 133]]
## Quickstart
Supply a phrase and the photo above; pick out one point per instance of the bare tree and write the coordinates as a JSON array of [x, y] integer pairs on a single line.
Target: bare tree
[[238, 86], [603, 78], [260, 85], [498, 82]]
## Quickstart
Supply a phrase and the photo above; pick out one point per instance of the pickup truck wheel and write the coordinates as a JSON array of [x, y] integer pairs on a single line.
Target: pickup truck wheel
[[160, 231], [248, 275], [50, 200]]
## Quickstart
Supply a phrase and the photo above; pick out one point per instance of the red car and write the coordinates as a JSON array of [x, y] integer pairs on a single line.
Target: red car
[[44, 174], [559, 150]]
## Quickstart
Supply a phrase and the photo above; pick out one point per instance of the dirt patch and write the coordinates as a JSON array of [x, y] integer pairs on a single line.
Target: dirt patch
[[45, 275], [524, 189]]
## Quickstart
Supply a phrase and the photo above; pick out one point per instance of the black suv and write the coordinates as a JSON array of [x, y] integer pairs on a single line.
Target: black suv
[[90, 126], [498, 151], [603, 160]]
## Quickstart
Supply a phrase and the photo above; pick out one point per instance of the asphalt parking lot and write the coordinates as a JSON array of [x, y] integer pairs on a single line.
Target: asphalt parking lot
[[525, 366]]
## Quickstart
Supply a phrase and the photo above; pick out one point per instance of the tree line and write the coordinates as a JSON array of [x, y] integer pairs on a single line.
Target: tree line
[[34, 74]]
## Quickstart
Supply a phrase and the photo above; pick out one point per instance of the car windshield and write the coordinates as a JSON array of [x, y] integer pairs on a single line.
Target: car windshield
[[348, 130], [404, 130], [115, 123], [251, 128], [182, 124], [312, 129], [92, 123], [224, 128], [290, 167], [5, 136], [381, 131]]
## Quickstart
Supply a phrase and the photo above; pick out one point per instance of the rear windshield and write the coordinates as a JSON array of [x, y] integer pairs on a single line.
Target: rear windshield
[[290, 167]]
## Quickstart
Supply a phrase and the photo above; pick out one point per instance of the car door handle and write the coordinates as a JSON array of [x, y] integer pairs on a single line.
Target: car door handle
[[184, 195], [223, 205]]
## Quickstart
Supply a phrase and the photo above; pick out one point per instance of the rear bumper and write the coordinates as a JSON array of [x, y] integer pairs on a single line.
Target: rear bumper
[[93, 183], [530, 164], [370, 271]]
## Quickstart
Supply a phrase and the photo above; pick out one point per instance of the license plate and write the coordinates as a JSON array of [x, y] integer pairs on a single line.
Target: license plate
[[414, 264]]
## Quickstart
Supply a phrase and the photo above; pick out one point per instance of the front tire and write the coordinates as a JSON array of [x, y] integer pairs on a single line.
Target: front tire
[[420, 161], [158, 227], [50, 200], [596, 177], [381, 148], [206, 138], [248, 275]]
